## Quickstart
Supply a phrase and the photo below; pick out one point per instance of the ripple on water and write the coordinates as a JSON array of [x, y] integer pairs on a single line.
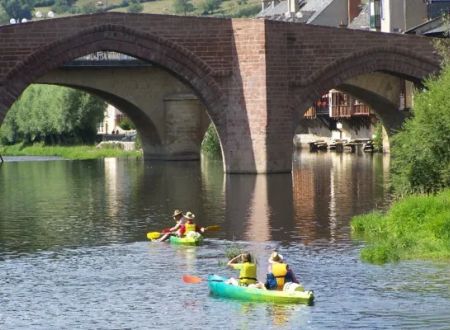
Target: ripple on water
[[74, 256]]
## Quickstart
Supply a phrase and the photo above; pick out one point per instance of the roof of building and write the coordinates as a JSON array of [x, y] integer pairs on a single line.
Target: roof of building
[[362, 21], [434, 27], [314, 8], [308, 12], [274, 10]]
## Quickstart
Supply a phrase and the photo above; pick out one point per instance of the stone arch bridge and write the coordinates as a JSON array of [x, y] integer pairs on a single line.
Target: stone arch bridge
[[255, 78]]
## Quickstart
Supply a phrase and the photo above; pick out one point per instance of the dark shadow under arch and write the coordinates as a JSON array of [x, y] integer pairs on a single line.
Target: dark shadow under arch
[[391, 60], [387, 112]]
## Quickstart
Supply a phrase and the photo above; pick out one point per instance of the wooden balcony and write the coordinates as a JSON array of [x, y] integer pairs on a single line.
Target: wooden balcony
[[346, 111], [361, 110]]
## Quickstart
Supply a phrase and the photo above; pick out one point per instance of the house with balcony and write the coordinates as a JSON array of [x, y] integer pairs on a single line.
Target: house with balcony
[[317, 12]]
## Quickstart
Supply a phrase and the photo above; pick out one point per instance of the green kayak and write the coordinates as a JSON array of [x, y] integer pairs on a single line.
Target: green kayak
[[218, 287], [186, 240]]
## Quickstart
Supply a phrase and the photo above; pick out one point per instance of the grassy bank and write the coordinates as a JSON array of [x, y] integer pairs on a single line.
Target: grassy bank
[[68, 152], [417, 227]]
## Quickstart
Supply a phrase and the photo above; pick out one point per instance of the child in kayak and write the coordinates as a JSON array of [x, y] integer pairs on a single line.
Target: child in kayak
[[247, 271], [189, 228], [180, 221], [280, 276]]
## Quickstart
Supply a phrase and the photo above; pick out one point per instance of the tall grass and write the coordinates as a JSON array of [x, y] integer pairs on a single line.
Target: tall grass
[[69, 152], [417, 227]]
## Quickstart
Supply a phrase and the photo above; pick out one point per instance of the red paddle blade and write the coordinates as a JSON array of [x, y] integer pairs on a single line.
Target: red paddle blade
[[191, 279]]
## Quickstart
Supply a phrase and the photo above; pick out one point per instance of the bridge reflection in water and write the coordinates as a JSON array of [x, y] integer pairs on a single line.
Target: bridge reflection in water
[[118, 200], [316, 202]]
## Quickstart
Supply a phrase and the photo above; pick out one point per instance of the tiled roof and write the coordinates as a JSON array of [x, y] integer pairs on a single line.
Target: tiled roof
[[315, 6], [435, 26], [362, 21], [307, 13]]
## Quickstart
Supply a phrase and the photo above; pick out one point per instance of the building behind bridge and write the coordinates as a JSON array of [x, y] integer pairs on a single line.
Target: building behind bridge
[[338, 109]]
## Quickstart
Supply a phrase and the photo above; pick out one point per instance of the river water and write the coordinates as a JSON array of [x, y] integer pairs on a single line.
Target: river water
[[74, 255]]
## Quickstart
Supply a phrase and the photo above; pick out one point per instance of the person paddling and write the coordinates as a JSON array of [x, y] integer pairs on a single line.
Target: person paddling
[[189, 228], [247, 271], [280, 276], [180, 221]]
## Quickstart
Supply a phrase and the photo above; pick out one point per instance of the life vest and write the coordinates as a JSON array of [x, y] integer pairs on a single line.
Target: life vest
[[279, 270], [247, 274], [189, 226]]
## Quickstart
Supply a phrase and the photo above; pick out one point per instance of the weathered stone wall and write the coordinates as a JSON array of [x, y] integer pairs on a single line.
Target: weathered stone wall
[[255, 77]]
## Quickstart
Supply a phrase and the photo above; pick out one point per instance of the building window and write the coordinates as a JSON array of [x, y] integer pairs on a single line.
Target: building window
[[375, 14]]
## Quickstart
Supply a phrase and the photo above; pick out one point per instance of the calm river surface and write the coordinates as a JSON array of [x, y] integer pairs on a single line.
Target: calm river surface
[[73, 251]]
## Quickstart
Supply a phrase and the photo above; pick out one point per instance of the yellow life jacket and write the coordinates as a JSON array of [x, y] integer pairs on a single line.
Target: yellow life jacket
[[279, 270], [247, 274], [189, 227]]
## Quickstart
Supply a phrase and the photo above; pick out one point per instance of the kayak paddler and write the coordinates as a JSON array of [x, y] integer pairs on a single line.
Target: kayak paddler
[[178, 216], [247, 271], [280, 276], [189, 228]]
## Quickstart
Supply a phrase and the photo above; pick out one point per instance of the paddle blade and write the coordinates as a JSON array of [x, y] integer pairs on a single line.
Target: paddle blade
[[191, 279], [213, 228], [153, 235]]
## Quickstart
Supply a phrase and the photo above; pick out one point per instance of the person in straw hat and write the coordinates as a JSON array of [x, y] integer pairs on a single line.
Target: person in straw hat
[[280, 276], [180, 219], [189, 228]]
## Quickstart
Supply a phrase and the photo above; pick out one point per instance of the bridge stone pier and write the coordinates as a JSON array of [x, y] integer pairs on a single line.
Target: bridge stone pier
[[170, 118], [255, 78]]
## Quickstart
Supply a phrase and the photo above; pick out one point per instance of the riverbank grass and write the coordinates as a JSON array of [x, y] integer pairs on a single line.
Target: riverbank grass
[[68, 152], [417, 227]]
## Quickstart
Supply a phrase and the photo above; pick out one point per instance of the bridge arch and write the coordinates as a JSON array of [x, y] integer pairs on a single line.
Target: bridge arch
[[177, 60], [392, 60], [150, 137]]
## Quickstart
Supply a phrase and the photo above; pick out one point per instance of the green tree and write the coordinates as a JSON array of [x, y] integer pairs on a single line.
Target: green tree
[[61, 6], [3, 16], [89, 8], [211, 142], [421, 151], [18, 8], [126, 124], [182, 6], [36, 114], [83, 113], [52, 115], [378, 138], [208, 6], [135, 7]]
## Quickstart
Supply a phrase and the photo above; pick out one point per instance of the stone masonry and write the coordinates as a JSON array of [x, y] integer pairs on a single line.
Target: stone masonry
[[255, 77]]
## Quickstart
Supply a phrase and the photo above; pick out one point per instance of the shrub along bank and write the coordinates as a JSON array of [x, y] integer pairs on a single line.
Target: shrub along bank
[[417, 227], [68, 152]]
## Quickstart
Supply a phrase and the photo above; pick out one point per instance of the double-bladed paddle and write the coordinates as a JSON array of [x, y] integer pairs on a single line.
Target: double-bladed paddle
[[156, 234], [212, 228]]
